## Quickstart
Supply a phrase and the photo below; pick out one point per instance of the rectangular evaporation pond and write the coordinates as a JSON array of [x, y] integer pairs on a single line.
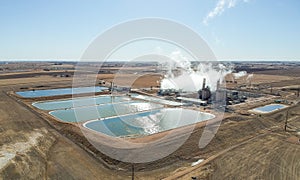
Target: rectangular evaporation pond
[[269, 108], [79, 102], [157, 100], [61, 91], [148, 122], [103, 111]]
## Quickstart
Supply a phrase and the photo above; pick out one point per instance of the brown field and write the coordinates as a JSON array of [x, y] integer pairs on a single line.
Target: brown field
[[37, 146]]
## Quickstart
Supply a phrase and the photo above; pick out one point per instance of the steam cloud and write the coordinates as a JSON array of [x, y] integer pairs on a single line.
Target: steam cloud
[[188, 78], [220, 8], [239, 74]]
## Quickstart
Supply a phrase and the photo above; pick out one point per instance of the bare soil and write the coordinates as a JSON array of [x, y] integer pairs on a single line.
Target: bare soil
[[245, 146]]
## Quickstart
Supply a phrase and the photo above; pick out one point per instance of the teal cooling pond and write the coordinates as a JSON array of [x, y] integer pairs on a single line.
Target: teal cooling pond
[[61, 91], [120, 116], [147, 123], [102, 111], [156, 100], [79, 102], [269, 108]]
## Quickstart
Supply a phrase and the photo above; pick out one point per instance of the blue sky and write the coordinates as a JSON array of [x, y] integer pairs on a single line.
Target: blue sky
[[234, 29]]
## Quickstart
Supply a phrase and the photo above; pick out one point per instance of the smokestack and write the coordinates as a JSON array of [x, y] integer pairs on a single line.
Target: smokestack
[[218, 84], [204, 81]]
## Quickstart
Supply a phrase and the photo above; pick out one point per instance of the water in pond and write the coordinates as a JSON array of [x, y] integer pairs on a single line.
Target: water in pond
[[61, 91], [78, 102], [147, 123], [103, 111], [269, 108], [157, 100]]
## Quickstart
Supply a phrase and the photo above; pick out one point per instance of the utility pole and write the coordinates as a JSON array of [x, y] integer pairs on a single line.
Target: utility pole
[[111, 87], [271, 89], [286, 120], [132, 171]]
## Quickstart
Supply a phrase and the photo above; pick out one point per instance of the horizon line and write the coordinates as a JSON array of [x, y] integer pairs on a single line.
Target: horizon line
[[122, 60]]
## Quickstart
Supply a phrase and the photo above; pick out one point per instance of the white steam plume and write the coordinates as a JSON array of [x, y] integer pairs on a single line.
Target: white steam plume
[[220, 8], [191, 79], [240, 74]]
